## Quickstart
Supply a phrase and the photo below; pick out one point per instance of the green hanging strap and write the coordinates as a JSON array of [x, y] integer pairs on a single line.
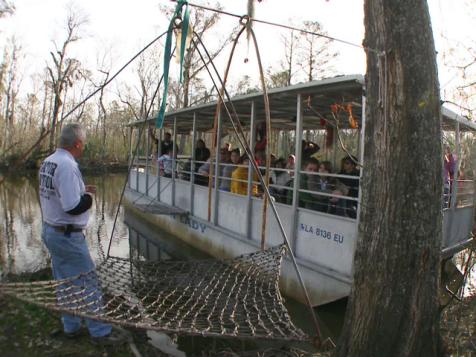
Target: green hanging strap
[[167, 56]]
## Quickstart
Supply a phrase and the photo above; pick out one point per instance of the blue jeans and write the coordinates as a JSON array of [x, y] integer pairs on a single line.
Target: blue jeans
[[70, 257]]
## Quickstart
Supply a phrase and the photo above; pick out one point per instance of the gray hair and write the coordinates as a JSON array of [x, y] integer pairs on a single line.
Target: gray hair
[[69, 135]]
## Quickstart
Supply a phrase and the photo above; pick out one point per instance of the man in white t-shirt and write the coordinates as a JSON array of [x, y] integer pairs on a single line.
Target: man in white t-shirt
[[65, 203]]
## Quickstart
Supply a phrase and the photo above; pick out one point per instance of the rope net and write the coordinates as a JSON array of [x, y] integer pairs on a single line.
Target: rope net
[[229, 298]]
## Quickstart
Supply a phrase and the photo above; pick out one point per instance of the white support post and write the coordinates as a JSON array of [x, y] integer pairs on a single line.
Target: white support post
[[192, 163], [174, 160], [147, 153], [297, 170], [217, 171], [137, 160], [454, 184], [249, 206], [131, 129], [159, 152]]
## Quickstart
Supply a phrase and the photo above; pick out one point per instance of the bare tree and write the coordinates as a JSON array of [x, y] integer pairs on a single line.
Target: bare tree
[[277, 79], [203, 23], [461, 60], [103, 113], [11, 87], [315, 54], [47, 100], [139, 95], [6, 8], [394, 308], [306, 57], [290, 41], [243, 86], [63, 69]]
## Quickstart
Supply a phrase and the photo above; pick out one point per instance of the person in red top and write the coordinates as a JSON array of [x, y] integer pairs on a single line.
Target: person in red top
[[449, 164]]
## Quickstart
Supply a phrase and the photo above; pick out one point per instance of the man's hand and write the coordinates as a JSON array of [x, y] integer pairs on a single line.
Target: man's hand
[[90, 189]]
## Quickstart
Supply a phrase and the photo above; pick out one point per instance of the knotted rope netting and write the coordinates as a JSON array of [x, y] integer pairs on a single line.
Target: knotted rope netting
[[238, 297]]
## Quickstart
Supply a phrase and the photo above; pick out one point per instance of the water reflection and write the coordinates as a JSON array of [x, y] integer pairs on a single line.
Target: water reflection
[[21, 248], [149, 243]]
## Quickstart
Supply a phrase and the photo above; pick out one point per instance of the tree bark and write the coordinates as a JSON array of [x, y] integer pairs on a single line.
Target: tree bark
[[393, 307]]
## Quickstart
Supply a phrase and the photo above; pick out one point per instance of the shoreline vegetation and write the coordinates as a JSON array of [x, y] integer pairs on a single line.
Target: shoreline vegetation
[[89, 167], [27, 329]]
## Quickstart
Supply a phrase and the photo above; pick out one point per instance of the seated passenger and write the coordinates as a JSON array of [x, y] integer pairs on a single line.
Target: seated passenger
[[346, 187], [307, 182], [225, 180], [324, 184], [290, 164], [280, 178], [165, 163], [260, 157], [201, 177], [239, 179], [202, 153]]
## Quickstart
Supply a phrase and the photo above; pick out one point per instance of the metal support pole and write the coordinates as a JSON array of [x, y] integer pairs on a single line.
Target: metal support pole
[[249, 206], [137, 162], [174, 160], [217, 171], [335, 146], [159, 153], [454, 184], [361, 155], [147, 163], [131, 129], [297, 171], [192, 163]]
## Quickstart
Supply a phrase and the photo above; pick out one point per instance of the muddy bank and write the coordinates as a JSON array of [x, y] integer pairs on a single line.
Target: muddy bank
[[458, 327]]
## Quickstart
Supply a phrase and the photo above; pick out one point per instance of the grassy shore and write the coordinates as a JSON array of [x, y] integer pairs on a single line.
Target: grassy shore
[[28, 330]]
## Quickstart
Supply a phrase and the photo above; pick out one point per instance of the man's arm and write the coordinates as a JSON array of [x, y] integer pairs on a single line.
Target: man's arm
[[85, 203]]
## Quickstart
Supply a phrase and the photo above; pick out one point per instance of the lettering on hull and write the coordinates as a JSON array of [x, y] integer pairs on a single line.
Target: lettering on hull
[[192, 223], [318, 232]]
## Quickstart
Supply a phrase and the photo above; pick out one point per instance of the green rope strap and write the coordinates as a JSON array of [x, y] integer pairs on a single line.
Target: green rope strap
[[167, 57]]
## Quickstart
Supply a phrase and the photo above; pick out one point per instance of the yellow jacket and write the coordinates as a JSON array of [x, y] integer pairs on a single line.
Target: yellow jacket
[[239, 187]]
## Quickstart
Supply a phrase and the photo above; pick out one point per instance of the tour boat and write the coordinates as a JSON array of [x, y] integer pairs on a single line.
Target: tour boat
[[224, 224]]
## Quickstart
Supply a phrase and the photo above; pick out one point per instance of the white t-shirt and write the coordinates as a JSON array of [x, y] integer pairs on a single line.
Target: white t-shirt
[[165, 163], [61, 188]]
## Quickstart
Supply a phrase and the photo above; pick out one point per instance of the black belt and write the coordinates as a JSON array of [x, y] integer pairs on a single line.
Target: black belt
[[67, 229]]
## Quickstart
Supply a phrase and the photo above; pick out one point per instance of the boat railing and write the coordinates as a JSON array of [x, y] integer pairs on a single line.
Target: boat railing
[[330, 193], [462, 193], [312, 197], [329, 200]]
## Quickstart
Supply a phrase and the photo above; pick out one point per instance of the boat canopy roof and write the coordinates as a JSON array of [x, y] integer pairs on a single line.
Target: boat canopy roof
[[318, 98]]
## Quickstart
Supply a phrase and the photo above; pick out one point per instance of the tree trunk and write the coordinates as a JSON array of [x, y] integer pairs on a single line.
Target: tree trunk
[[186, 85], [393, 307], [54, 117], [310, 63], [43, 110]]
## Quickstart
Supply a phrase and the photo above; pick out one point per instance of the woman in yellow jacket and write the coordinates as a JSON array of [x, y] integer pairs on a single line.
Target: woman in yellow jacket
[[239, 179]]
